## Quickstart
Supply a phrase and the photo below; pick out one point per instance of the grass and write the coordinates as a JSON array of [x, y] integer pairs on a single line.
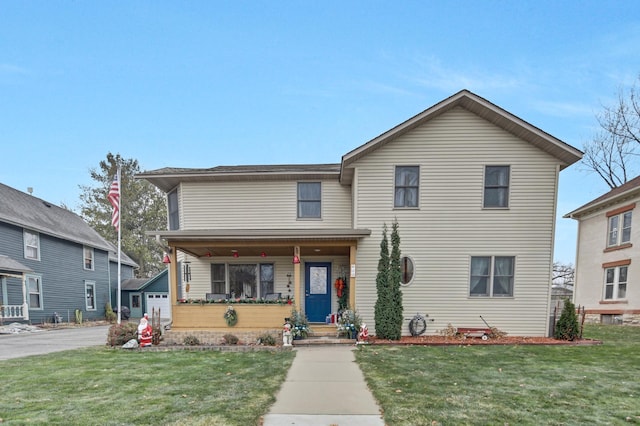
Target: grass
[[523, 385], [115, 387]]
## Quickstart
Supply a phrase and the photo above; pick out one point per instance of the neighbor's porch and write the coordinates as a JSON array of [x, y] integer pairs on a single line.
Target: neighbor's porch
[[14, 302]]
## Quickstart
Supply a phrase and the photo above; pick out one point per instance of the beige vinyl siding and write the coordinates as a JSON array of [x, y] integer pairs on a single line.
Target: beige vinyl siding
[[450, 225], [201, 273], [592, 241], [259, 205]]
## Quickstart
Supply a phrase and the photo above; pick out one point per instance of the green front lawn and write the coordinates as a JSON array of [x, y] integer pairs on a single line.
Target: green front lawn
[[104, 386], [514, 385]]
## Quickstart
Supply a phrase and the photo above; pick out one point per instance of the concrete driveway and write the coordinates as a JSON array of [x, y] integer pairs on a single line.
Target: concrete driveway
[[51, 340]]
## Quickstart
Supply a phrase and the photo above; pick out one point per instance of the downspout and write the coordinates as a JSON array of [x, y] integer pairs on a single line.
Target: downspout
[[553, 240]]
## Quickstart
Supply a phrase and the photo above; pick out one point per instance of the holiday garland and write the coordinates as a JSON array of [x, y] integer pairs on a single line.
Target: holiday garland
[[231, 316]]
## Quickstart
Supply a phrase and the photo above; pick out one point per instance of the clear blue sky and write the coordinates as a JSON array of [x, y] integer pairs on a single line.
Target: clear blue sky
[[207, 83]]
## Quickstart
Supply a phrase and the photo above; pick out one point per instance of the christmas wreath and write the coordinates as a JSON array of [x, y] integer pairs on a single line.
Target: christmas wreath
[[339, 286], [231, 316]]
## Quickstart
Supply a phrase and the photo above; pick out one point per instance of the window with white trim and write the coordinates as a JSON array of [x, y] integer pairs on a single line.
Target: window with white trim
[[31, 245], [244, 280], [492, 276], [88, 257], [496, 186], [615, 282], [406, 186], [90, 293], [309, 200], [173, 208], [34, 286], [619, 229], [406, 270]]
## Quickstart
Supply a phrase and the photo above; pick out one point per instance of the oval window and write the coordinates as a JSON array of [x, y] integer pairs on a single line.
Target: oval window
[[406, 270]]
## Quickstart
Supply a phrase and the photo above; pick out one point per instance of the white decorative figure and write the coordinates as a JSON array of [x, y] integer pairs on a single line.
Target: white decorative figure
[[286, 335], [363, 335]]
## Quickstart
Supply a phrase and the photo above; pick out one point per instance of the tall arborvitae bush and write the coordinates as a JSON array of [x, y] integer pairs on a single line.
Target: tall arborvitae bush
[[395, 295], [567, 327], [388, 308], [381, 310]]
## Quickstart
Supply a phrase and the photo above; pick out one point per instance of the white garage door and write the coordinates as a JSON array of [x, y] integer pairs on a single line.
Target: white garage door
[[159, 300]]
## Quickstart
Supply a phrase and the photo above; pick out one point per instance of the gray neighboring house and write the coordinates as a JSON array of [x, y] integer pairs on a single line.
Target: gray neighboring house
[[52, 262]]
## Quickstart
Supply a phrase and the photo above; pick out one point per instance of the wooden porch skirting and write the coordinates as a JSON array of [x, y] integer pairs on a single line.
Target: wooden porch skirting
[[210, 317]]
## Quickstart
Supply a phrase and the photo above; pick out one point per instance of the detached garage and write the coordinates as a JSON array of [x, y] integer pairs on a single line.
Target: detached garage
[[142, 295]]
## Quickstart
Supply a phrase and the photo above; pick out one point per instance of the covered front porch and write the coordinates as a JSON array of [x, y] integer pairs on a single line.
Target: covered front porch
[[14, 303], [262, 275]]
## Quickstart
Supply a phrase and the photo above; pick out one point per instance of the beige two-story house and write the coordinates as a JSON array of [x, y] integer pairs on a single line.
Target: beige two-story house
[[608, 256], [472, 187]]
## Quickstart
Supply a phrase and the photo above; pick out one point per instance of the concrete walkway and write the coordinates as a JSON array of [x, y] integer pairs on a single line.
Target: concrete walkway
[[324, 387]]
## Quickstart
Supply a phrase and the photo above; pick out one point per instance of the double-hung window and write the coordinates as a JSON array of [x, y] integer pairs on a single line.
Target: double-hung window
[[34, 285], [174, 213], [615, 282], [406, 186], [496, 186], [309, 200], [90, 292], [492, 276], [619, 229], [88, 258], [31, 245]]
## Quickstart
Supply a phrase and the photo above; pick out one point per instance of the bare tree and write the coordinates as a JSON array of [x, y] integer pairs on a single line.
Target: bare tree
[[563, 274], [612, 151]]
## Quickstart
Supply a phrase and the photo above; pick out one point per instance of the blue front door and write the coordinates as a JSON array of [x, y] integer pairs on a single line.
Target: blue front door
[[317, 291]]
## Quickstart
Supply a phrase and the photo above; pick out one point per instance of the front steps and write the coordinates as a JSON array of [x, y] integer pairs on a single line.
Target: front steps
[[324, 334]]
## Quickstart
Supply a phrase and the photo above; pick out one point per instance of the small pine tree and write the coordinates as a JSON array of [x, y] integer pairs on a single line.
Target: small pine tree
[[567, 327], [381, 309]]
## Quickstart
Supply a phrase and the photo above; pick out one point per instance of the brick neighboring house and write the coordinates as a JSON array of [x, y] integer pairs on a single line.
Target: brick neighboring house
[[608, 256]]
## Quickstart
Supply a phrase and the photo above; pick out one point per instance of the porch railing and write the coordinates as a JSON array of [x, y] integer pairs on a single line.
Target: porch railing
[[13, 312]]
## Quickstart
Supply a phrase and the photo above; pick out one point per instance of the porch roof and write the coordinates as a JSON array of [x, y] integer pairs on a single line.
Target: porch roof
[[8, 266], [253, 242]]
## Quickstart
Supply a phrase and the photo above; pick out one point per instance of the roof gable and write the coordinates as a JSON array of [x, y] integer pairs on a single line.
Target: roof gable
[[26, 211], [482, 108], [616, 195]]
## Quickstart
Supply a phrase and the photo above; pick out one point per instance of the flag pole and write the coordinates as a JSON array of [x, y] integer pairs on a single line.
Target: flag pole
[[119, 244]]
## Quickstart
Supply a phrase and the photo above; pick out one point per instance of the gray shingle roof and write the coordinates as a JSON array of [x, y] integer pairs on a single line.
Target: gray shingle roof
[[26, 211], [9, 265]]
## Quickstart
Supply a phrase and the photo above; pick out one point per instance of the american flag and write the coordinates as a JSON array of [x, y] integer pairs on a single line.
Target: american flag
[[114, 199]]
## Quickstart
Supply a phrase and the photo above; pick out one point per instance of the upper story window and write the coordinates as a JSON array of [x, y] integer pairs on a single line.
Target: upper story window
[[174, 214], [88, 258], [492, 276], [619, 231], [406, 186], [496, 186], [309, 200], [615, 282], [31, 245]]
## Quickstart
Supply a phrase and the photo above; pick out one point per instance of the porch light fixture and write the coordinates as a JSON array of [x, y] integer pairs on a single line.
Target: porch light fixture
[[166, 259], [235, 253], [208, 254], [296, 259], [263, 254]]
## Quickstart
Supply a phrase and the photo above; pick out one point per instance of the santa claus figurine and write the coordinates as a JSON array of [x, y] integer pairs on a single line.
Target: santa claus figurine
[[363, 334], [145, 332]]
